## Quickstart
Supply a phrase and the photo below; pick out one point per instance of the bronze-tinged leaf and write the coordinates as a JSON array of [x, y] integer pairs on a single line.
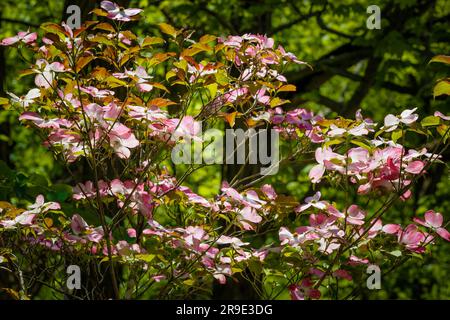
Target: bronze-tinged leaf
[[77, 32], [251, 123], [12, 293], [102, 39], [190, 52], [14, 212], [48, 222], [231, 118], [100, 73], [113, 82], [133, 100], [275, 102], [441, 58], [124, 59], [99, 12], [148, 41], [52, 36], [53, 28], [160, 102], [207, 38], [202, 46], [168, 29], [128, 34], [194, 49], [6, 205], [159, 86], [105, 26], [160, 57], [83, 62], [287, 87], [218, 47], [286, 201]]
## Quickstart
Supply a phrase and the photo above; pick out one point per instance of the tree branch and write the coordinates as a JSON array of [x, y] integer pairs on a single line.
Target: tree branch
[[324, 27], [364, 86], [295, 21], [25, 23]]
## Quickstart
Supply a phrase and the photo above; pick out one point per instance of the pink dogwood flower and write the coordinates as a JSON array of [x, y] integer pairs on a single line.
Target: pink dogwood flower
[[313, 201], [327, 160], [303, 290], [46, 72], [26, 37], [97, 93], [122, 139], [434, 221], [26, 218], [441, 115], [247, 217], [27, 99], [117, 13], [355, 215], [407, 117], [80, 227], [40, 206], [412, 238], [200, 70], [141, 77]]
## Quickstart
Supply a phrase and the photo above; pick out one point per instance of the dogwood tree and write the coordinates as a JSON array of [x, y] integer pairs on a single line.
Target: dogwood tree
[[101, 98]]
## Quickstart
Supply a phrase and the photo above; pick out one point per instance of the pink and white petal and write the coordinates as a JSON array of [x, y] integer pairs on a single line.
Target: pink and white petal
[[9, 41], [26, 218], [132, 11], [391, 228], [316, 173], [131, 233], [421, 222], [415, 167], [434, 219], [108, 5], [144, 87], [390, 120], [443, 233], [441, 115], [78, 224]]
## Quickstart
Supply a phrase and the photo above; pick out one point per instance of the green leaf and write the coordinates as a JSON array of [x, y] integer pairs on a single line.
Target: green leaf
[[60, 192], [397, 134], [145, 257], [5, 171], [38, 180], [442, 87], [443, 130], [430, 121], [4, 101], [189, 282], [212, 88], [396, 253], [255, 267], [333, 142], [361, 144]]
